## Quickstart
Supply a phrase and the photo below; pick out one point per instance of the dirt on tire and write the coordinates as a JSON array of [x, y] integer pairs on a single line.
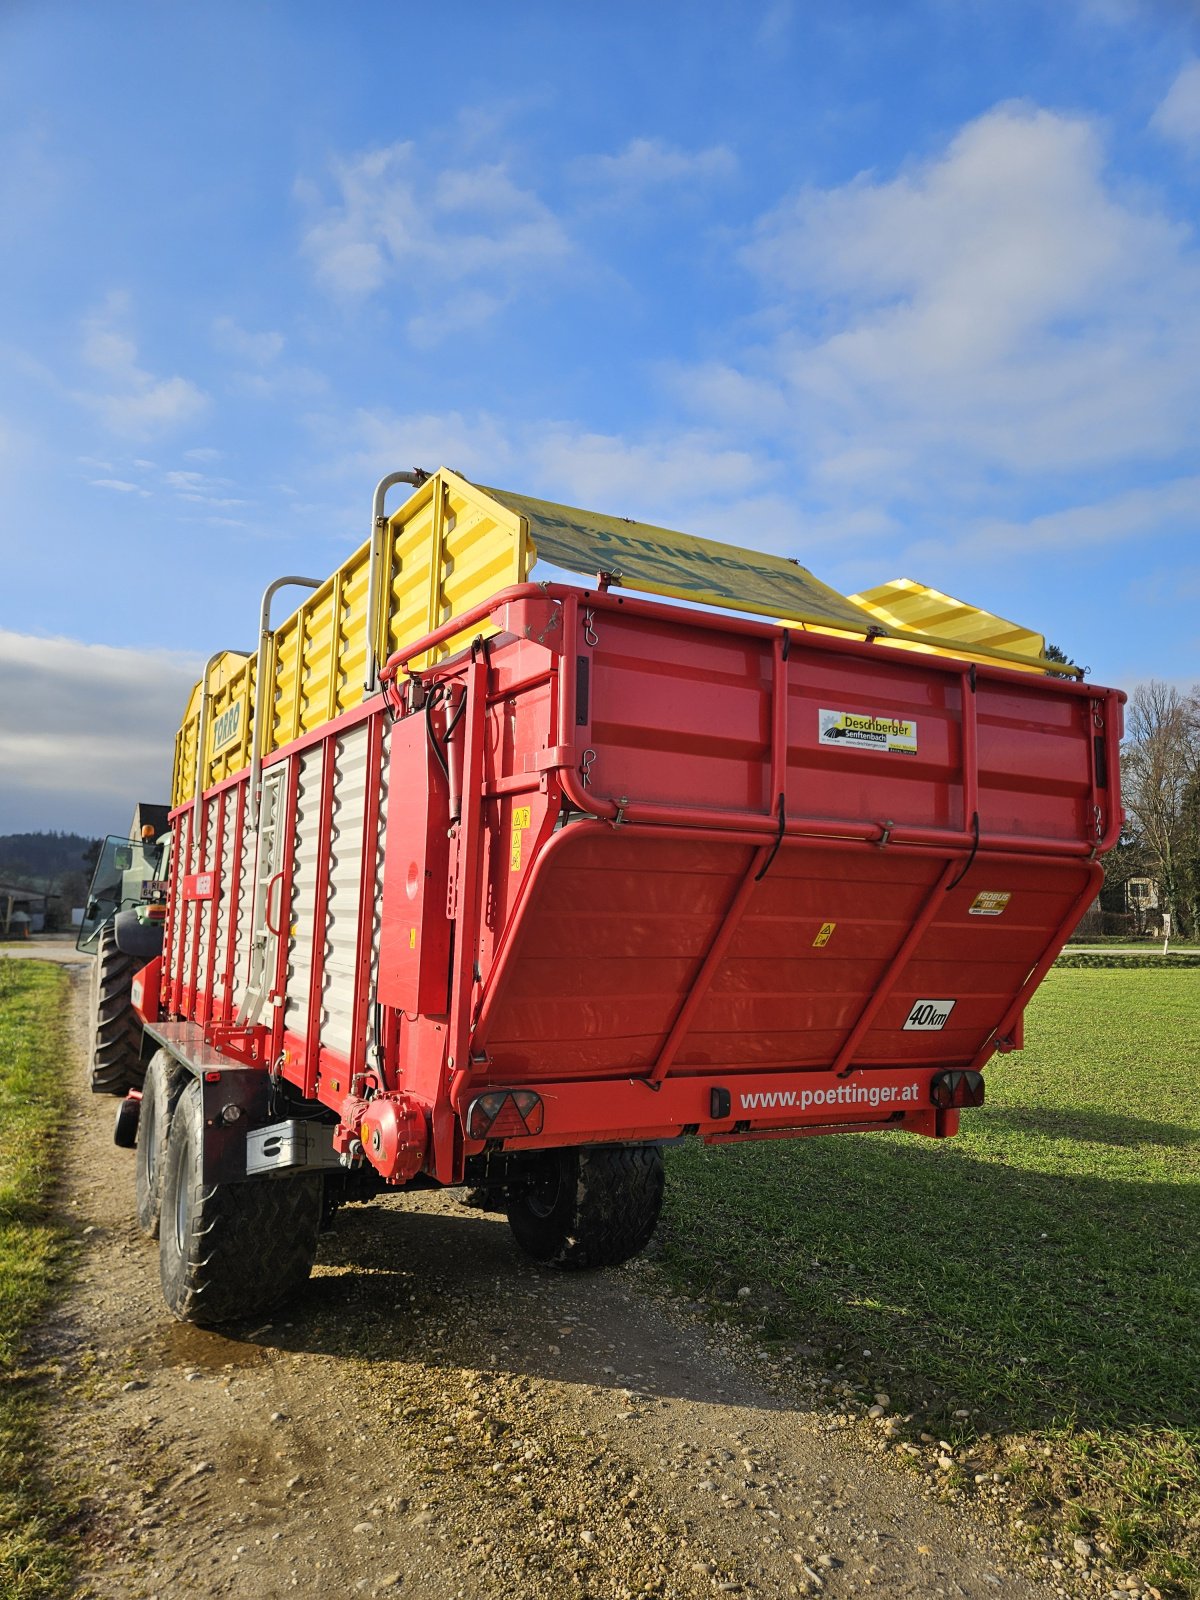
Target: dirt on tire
[[435, 1416]]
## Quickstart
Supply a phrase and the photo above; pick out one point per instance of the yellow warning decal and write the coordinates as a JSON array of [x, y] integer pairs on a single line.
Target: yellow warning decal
[[824, 936], [989, 902], [520, 821], [857, 731], [412, 938]]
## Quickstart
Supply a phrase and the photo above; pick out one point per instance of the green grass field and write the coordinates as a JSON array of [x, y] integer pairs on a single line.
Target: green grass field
[[1041, 1271], [34, 1563]]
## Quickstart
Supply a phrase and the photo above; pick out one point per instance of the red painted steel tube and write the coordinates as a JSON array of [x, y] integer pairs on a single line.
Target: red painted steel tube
[[190, 991], [210, 955], [288, 871], [234, 890], [312, 1038], [366, 891], [699, 987], [181, 869], [969, 733], [843, 1062]]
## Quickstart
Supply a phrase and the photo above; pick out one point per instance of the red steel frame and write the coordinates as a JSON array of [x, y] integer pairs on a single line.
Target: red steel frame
[[612, 1107]]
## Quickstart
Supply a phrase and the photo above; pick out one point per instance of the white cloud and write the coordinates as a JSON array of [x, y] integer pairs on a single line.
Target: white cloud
[[1000, 308], [259, 349], [137, 403], [1156, 510], [463, 239], [85, 730], [650, 164], [119, 486], [1178, 116]]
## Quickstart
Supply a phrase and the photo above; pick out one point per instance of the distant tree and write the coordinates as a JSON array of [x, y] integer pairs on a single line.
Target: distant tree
[[1053, 653], [1160, 773]]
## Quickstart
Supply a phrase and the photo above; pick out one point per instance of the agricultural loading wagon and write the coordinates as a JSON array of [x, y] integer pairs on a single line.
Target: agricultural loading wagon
[[481, 881]]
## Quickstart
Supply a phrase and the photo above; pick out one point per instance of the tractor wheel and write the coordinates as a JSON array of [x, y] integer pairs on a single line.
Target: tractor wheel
[[116, 1028], [165, 1081], [587, 1208], [229, 1250]]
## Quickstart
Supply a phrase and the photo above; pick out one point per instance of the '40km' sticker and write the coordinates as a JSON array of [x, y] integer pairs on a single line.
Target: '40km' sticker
[[928, 1016]]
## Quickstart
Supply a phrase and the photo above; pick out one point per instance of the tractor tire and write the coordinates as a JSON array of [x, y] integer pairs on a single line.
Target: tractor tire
[[164, 1083], [230, 1250], [116, 1028], [587, 1207]]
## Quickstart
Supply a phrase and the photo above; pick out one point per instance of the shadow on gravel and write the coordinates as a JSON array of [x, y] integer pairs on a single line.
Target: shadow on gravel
[[448, 1289]]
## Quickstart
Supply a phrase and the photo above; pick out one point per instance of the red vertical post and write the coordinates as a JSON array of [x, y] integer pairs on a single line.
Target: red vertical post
[[235, 889], [366, 889], [312, 1041], [283, 912], [210, 955]]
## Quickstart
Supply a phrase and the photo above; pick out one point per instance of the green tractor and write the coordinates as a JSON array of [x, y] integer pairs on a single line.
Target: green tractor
[[123, 926]]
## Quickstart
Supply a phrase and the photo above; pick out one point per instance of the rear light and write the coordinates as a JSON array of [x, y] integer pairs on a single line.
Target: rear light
[[957, 1089], [506, 1114]]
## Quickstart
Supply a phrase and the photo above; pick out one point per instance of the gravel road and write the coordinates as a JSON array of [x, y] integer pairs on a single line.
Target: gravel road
[[439, 1419]]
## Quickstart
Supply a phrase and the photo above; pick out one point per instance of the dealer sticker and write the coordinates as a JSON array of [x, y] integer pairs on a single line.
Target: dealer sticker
[[928, 1016], [855, 731], [989, 903]]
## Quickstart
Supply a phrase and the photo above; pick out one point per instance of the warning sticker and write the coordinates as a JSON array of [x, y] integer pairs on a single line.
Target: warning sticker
[[856, 731], [824, 936], [928, 1016], [520, 821], [989, 902]]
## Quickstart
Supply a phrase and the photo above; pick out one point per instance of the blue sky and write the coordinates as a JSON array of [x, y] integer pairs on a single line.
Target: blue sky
[[897, 289]]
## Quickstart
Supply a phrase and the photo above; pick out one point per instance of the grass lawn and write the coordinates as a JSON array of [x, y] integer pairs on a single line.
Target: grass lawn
[[1041, 1271], [33, 995]]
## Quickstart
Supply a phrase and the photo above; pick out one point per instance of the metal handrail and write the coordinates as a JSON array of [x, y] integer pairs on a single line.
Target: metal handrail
[[264, 644], [378, 523]]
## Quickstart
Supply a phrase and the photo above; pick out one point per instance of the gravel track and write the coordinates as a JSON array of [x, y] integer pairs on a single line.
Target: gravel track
[[437, 1417]]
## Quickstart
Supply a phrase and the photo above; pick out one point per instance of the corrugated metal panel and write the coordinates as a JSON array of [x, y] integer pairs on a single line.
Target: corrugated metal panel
[[447, 548], [304, 889], [905, 603], [345, 876], [245, 907]]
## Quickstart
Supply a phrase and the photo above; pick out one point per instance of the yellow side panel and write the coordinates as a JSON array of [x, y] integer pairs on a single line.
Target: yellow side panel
[[230, 682], [904, 604], [448, 553], [449, 547]]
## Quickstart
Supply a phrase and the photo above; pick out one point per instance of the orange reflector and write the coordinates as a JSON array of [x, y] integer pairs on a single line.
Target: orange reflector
[[506, 1114], [957, 1089]]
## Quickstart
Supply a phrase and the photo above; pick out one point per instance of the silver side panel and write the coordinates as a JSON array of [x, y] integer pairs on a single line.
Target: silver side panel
[[225, 879], [345, 878], [245, 903], [304, 890]]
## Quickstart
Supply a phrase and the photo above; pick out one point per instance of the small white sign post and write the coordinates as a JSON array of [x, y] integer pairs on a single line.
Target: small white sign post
[[1166, 919]]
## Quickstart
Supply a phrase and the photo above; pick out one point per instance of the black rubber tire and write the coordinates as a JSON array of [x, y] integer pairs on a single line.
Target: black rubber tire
[[230, 1250], [590, 1207], [116, 1028], [164, 1083]]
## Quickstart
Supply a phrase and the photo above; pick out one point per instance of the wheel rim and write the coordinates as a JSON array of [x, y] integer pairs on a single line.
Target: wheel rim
[[150, 1134], [541, 1197], [183, 1215]]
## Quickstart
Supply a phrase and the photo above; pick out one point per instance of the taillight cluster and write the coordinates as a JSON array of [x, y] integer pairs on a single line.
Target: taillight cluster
[[956, 1089]]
